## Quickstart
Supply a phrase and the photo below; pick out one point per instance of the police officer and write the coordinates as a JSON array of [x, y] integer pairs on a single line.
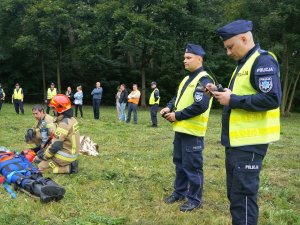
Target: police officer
[[2, 96], [51, 92], [61, 155], [191, 111], [250, 118], [33, 134], [17, 99], [154, 103]]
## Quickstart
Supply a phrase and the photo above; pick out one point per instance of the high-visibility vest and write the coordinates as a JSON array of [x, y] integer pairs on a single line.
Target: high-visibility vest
[[197, 125], [18, 95], [134, 100], [51, 93], [251, 128], [152, 98]]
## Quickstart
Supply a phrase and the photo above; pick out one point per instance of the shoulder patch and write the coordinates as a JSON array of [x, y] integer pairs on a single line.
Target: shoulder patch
[[265, 84], [198, 96]]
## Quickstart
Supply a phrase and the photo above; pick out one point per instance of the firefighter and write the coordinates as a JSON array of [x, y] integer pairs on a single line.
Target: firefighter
[[60, 156]]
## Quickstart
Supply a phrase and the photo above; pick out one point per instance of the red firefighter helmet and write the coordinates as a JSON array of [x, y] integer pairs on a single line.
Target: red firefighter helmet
[[60, 102]]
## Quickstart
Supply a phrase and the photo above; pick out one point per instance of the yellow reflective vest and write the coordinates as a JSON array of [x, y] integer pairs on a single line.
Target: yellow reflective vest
[[18, 94], [251, 128], [197, 125], [152, 98], [51, 93]]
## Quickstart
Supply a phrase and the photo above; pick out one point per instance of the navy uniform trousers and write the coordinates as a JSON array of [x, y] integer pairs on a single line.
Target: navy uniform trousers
[[153, 113], [18, 104], [188, 160], [242, 177]]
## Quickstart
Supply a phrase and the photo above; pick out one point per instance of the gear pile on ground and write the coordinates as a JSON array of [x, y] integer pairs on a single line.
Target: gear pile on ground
[[88, 147]]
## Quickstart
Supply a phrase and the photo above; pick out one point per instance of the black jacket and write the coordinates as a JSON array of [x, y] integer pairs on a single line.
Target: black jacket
[[123, 96]]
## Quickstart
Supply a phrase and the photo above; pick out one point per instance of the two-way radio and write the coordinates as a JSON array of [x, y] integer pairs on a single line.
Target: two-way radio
[[219, 87]]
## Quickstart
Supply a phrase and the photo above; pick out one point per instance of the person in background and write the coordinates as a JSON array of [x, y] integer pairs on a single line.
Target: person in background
[[69, 94], [2, 96], [51, 92], [97, 96], [123, 101], [78, 101], [17, 98], [133, 101], [118, 95], [154, 103]]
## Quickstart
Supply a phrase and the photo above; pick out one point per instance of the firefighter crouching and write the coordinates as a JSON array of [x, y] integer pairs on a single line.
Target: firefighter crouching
[[60, 155]]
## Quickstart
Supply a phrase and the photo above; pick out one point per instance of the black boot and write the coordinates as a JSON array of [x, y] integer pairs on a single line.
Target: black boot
[[74, 167], [47, 190]]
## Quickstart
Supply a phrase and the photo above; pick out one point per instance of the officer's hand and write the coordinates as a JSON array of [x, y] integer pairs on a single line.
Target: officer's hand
[[170, 117], [210, 89], [223, 97], [46, 101], [164, 111], [30, 134]]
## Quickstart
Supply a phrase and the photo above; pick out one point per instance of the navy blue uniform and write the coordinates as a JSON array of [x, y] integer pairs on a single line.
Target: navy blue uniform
[[242, 183], [187, 155]]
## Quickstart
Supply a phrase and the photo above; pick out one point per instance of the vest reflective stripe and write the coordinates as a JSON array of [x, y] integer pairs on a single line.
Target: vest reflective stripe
[[18, 94], [65, 156], [251, 128], [197, 125], [152, 98], [51, 94]]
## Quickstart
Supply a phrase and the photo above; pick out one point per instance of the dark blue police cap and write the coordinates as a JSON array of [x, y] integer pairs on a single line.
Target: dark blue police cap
[[234, 28], [195, 49]]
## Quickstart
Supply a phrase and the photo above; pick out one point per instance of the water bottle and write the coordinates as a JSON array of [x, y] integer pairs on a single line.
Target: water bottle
[[44, 132]]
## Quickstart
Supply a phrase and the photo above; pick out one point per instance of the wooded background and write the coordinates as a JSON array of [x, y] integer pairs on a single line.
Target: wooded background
[[73, 42]]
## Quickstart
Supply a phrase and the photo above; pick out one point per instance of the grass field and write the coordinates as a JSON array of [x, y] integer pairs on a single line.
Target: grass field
[[126, 184]]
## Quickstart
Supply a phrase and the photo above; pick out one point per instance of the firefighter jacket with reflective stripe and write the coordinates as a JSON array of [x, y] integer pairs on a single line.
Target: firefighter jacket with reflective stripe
[[65, 145], [251, 128], [197, 125]]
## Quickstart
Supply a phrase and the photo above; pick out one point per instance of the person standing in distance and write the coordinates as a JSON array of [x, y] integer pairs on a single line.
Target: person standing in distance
[[2, 96], [190, 116], [250, 118], [154, 103], [51, 92], [17, 99], [123, 101], [97, 96], [133, 102]]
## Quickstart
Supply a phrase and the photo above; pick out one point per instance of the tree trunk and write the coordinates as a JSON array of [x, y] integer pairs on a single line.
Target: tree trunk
[[143, 94], [44, 77], [285, 86], [291, 96], [58, 63]]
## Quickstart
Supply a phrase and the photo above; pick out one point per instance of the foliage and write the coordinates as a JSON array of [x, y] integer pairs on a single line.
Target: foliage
[[135, 41]]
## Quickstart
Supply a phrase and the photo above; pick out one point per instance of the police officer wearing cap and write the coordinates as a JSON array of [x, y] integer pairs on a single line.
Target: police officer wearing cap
[[154, 103], [250, 118], [189, 112], [51, 92], [17, 99]]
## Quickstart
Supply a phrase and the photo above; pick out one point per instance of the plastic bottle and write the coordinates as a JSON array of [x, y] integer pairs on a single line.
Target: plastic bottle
[[44, 132]]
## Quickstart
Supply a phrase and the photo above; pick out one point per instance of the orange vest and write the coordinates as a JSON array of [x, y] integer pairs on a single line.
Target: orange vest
[[134, 100]]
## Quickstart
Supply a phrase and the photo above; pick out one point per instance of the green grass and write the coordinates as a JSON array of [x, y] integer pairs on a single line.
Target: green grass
[[126, 184]]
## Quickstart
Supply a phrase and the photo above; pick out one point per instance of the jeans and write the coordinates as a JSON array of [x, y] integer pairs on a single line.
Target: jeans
[[96, 108], [18, 104], [80, 109], [132, 107], [122, 111]]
